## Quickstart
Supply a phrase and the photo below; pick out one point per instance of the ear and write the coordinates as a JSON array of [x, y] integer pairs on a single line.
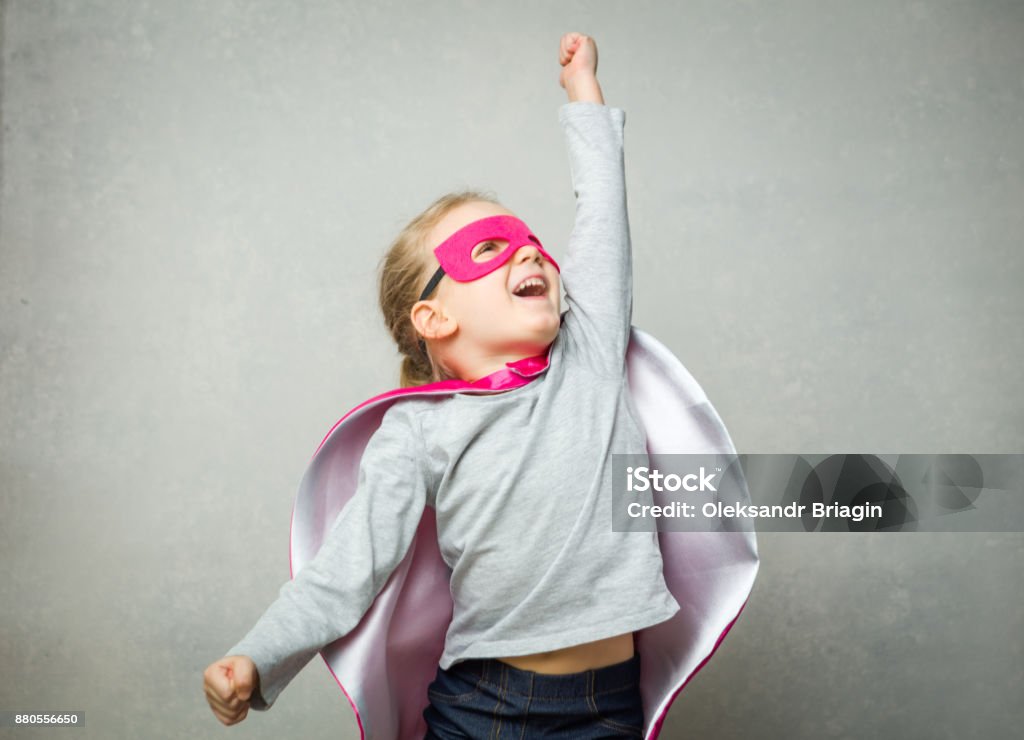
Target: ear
[[431, 320]]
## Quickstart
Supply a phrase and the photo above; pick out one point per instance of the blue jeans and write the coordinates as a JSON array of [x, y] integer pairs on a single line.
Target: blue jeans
[[481, 699]]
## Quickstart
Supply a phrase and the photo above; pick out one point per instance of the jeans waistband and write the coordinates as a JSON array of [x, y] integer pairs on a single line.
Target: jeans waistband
[[594, 681]]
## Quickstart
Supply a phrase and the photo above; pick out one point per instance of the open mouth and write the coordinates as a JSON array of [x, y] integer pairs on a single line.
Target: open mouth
[[532, 287]]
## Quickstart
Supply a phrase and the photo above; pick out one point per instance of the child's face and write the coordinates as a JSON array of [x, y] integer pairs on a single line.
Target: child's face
[[487, 314]]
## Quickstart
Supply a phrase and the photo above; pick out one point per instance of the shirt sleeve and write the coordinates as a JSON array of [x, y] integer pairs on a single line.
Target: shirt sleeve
[[371, 535], [597, 270]]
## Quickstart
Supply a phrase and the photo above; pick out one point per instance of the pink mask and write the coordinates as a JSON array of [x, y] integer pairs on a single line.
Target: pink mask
[[456, 252]]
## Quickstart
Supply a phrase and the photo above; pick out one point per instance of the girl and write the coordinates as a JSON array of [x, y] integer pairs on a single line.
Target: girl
[[514, 461]]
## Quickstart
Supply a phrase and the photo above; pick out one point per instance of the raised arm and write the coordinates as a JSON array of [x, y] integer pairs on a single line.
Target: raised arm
[[327, 598], [597, 268]]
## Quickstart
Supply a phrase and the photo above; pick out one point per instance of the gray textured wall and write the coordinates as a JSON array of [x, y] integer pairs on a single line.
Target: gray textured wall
[[826, 203]]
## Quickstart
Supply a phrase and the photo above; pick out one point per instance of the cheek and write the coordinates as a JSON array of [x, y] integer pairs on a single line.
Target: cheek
[[477, 296], [492, 287]]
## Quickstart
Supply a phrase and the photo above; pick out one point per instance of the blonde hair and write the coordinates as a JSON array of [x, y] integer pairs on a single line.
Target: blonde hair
[[403, 273]]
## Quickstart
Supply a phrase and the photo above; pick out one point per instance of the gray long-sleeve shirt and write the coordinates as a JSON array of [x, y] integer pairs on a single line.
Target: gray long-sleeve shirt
[[520, 480]]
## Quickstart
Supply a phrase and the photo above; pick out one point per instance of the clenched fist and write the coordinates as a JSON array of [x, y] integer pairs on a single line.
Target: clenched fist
[[577, 54], [229, 684]]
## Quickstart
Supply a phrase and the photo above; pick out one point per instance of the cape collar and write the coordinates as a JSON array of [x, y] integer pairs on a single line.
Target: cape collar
[[515, 374]]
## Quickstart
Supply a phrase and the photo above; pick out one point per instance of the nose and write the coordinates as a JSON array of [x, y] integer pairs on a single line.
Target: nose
[[527, 252]]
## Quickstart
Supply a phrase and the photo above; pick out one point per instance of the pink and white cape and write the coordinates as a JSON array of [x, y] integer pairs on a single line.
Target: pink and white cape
[[385, 664]]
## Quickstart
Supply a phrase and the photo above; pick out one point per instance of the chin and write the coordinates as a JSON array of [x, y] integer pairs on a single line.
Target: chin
[[535, 345], [546, 336]]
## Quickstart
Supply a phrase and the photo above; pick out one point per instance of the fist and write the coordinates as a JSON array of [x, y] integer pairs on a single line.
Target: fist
[[229, 683], [578, 56]]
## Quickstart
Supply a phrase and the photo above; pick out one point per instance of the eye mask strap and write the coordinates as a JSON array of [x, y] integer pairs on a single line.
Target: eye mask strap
[[438, 274]]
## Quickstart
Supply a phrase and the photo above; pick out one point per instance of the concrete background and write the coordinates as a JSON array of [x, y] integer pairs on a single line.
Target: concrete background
[[826, 207]]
